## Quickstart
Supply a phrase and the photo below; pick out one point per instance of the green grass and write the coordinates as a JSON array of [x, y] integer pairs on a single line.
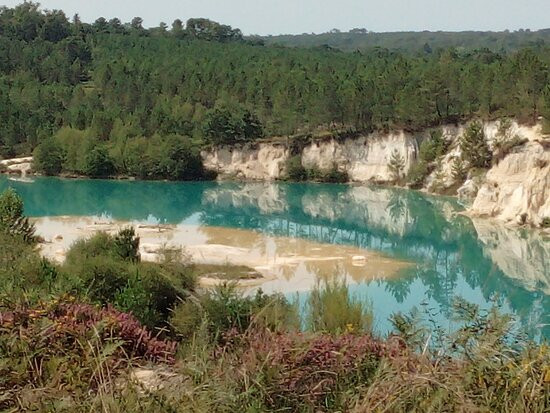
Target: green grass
[[226, 272]]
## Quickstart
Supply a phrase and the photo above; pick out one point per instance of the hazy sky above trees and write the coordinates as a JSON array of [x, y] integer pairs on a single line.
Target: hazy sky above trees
[[300, 16]]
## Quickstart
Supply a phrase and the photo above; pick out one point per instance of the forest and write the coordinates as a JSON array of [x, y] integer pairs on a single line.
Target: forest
[[112, 98], [424, 42]]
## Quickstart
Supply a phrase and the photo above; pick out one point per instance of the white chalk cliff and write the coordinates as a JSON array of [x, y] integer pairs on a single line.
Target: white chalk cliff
[[516, 190], [365, 158]]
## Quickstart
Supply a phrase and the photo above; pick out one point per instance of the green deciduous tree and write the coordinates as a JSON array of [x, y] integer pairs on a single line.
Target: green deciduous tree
[[49, 157], [98, 163]]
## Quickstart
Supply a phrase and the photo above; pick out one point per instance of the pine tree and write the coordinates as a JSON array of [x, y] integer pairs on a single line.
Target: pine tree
[[474, 147], [12, 220], [458, 170]]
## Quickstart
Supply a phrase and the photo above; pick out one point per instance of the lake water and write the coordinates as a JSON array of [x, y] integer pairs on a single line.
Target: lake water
[[453, 256]]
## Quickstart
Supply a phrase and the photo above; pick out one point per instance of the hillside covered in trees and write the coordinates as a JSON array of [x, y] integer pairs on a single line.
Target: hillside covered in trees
[[416, 42], [116, 98]]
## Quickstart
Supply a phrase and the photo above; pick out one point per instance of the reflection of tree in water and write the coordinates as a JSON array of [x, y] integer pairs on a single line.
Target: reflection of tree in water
[[400, 287], [442, 280], [447, 246], [396, 206]]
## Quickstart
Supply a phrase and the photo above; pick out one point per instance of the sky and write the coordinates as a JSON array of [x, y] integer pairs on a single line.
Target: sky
[[307, 16]]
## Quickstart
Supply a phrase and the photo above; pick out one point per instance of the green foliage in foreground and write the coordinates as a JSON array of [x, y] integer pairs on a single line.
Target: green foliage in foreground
[[12, 220], [69, 344], [333, 310]]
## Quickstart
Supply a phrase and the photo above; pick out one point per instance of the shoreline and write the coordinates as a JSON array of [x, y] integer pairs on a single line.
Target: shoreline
[[466, 212], [285, 264], [21, 167]]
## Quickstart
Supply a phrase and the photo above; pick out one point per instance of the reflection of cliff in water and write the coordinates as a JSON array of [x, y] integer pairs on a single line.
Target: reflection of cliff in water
[[451, 253], [520, 254], [403, 224]]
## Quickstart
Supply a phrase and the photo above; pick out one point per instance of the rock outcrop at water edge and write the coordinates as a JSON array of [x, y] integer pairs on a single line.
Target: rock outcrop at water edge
[[517, 189]]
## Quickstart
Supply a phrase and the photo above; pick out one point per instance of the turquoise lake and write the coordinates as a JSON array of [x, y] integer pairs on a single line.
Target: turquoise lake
[[453, 256]]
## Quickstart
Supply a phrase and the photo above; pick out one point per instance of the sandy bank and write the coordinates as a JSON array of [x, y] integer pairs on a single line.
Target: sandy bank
[[286, 264]]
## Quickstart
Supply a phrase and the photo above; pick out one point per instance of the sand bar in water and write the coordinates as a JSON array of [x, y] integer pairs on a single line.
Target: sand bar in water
[[286, 264]]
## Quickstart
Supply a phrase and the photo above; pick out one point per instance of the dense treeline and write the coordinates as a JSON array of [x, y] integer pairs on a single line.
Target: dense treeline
[[415, 42], [111, 98]]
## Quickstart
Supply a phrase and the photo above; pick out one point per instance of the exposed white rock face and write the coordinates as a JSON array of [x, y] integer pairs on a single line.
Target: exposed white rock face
[[469, 189], [20, 166], [265, 161], [491, 129], [365, 159], [517, 190]]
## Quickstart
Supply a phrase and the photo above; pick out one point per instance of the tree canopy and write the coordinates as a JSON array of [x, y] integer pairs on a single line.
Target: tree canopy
[[126, 88]]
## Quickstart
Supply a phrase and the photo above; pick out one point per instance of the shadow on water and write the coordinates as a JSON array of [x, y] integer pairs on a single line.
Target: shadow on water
[[454, 256]]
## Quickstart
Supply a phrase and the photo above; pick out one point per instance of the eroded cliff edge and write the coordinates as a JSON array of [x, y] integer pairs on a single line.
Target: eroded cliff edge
[[515, 189], [364, 158]]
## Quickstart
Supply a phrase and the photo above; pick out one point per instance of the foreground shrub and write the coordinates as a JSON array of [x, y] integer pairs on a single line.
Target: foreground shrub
[[489, 381], [126, 244], [12, 220], [106, 269], [224, 308], [486, 365], [70, 348], [24, 276], [301, 372], [332, 309]]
